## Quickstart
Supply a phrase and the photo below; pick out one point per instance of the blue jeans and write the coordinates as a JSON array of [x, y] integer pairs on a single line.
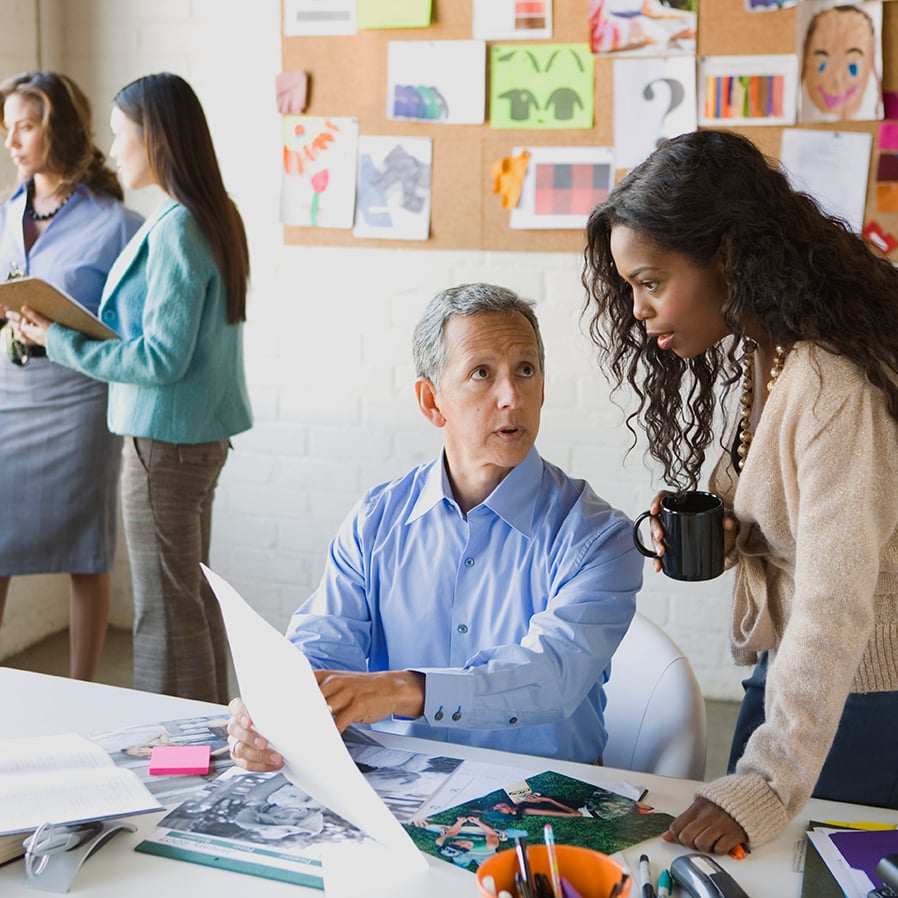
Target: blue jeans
[[862, 765]]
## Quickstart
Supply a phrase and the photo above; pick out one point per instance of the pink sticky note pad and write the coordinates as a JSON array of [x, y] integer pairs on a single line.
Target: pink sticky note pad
[[180, 759]]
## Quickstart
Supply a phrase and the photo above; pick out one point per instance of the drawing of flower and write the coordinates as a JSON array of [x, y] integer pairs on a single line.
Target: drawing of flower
[[319, 185]]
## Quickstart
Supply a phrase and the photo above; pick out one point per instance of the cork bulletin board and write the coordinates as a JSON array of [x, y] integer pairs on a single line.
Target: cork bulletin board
[[348, 77]]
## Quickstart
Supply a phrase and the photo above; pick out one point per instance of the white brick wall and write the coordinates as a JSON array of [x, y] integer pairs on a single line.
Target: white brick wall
[[329, 330]]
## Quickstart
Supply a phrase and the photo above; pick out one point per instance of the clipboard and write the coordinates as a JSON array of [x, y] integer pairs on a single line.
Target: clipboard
[[55, 304]]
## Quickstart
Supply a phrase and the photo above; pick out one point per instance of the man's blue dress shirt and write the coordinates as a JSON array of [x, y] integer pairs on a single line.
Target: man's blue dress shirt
[[512, 612]]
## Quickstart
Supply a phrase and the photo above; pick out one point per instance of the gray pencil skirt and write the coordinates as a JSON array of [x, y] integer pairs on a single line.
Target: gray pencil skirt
[[59, 470]]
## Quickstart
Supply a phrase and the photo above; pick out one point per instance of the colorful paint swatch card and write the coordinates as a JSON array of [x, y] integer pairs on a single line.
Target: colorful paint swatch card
[[393, 13], [643, 27], [541, 86], [437, 81], [393, 193], [653, 99], [747, 90], [832, 166], [319, 167], [508, 20], [318, 17], [562, 186], [840, 48]]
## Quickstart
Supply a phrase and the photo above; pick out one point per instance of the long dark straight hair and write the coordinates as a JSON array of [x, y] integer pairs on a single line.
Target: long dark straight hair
[[183, 161]]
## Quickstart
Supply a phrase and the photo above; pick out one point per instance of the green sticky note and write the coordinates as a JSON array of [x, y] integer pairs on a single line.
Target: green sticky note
[[393, 13], [541, 86]]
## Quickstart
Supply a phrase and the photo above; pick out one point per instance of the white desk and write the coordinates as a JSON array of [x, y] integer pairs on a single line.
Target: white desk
[[36, 704]]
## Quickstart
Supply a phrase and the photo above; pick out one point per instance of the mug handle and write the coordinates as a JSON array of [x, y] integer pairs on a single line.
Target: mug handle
[[637, 541]]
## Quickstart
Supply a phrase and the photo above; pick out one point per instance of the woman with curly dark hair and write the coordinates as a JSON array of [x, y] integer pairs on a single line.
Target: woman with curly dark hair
[[703, 268]]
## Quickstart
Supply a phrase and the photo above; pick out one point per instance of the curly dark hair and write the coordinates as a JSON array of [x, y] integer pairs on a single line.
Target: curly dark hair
[[789, 269]]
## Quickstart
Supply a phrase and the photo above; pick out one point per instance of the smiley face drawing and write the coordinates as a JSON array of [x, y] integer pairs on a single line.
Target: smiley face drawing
[[840, 81]]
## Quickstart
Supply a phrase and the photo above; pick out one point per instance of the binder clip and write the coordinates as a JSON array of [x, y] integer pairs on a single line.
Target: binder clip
[[55, 852]]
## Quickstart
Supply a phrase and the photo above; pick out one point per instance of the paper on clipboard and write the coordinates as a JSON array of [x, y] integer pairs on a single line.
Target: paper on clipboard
[[54, 304]]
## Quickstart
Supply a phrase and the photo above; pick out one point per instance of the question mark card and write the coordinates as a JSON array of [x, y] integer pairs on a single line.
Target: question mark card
[[653, 99]]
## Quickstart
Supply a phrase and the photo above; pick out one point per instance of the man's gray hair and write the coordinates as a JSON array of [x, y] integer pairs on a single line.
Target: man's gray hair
[[428, 344]]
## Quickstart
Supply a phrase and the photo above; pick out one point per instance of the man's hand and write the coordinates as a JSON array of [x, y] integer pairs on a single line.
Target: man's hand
[[249, 750], [367, 697], [706, 827]]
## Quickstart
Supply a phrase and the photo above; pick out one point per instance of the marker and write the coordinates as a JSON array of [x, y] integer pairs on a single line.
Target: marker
[[645, 874], [618, 887], [738, 852], [554, 875], [664, 884], [520, 846]]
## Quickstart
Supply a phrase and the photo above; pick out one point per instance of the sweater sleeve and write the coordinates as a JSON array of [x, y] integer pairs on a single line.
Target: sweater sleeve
[[828, 459], [176, 273]]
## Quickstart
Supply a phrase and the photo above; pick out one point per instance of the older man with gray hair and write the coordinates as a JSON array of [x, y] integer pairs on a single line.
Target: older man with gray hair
[[478, 598]]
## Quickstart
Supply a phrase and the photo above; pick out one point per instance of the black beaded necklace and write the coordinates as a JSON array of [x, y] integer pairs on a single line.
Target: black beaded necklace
[[41, 216]]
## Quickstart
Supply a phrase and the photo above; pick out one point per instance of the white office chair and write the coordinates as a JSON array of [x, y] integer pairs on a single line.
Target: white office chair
[[655, 712]]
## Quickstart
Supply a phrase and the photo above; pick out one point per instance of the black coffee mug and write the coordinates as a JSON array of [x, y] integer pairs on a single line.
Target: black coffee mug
[[693, 536]]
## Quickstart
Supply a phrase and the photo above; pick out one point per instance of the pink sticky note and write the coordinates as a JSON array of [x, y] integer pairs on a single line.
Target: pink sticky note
[[180, 759], [292, 90], [888, 135]]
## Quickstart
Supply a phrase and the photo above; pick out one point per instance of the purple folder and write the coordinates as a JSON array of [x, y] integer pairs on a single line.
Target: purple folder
[[863, 849]]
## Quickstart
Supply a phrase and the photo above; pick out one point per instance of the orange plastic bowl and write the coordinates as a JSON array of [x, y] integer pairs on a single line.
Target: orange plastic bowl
[[591, 873]]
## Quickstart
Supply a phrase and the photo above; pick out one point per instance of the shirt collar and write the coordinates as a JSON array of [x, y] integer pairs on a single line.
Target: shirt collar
[[513, 499]]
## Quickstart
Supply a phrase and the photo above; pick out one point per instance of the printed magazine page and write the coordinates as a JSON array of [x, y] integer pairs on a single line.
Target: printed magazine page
[[580, 813], [263, 825]]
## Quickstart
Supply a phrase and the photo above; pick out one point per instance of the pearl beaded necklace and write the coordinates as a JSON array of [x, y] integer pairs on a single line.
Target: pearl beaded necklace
[[748, 395]]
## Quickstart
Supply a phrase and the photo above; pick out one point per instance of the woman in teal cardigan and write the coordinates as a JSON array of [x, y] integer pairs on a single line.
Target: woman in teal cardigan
[[177, 296]]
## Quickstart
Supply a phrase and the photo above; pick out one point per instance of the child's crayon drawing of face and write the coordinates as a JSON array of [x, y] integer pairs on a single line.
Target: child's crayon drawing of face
[[839, 56]]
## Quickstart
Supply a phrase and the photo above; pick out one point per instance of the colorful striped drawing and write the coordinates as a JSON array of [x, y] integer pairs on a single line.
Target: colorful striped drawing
[[745, 96]]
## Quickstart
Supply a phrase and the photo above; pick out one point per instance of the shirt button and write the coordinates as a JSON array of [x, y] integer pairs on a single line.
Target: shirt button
[[462, 628], [469, 562], [513, 720], [109, 315], [456, 715], [438, 715]]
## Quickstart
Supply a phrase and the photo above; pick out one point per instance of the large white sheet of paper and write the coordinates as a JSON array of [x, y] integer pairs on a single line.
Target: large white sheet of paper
[[278, 685], [437, 81], [832, 166]]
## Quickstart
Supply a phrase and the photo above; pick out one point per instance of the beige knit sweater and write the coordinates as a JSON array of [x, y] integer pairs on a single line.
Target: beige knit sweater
[[816, 575]]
